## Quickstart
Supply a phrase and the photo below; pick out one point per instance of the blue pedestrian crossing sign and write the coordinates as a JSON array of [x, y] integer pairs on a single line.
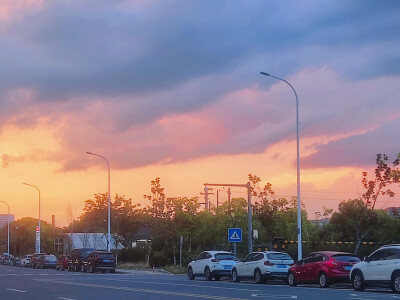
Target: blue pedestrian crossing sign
[[234, 235]]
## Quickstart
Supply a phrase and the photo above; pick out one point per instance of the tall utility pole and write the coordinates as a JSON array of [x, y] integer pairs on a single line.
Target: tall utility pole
[[299, 238], [249, 208], [8, 227], [37, 248], [207, 208]]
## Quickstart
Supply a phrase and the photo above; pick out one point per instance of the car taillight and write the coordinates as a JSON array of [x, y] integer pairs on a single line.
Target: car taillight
[[268, 263], [332, 263], [215, 260]]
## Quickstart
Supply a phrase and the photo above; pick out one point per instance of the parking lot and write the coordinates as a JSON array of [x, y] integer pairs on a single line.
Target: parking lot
[[19, 283]]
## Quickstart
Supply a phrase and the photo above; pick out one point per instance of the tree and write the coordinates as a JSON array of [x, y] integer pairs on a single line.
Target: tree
[[385, 177], [354, 221]]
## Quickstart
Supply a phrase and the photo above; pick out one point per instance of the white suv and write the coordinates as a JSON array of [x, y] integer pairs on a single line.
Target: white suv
[[211, 264], [382, 267], [263, 266], [25, 261]]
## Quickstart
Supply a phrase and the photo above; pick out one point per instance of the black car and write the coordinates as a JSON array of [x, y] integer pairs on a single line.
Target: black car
[[76, 256], [99, 260], [47, 261]]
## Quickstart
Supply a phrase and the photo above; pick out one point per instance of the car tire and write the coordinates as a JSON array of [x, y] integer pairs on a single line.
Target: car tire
[[323, 280], [83, 269], [395, 282], [190, 274], [258, 278], [291, 279], [207, 274], [357, 281], [235, 277], [217, 277], [112, 271], [91, 269]]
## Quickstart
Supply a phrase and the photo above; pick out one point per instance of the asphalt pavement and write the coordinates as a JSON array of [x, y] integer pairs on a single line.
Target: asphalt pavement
[[32, 284]]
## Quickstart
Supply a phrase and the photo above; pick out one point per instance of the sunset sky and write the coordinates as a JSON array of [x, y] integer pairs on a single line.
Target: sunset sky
[[172, 89]]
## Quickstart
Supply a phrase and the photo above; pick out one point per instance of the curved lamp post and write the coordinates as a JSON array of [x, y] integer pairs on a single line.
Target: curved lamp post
[[8, 226], [40, 231], [109, 201], [299, 247]]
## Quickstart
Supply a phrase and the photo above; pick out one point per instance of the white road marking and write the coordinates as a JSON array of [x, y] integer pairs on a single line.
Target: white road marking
[[62, 298], [14, 290], [274, 296], [182, 294], [183, 284]]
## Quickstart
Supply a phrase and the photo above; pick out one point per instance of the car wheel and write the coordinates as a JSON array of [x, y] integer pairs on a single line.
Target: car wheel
[[291, 280], [235, 277], [357, 280], [323, 280], [112, 271], [207, 274], [76, 268], [83, 269], [103, 271], [258, 276], [217, 278], [91, 269], [190, 273], [395, 284]]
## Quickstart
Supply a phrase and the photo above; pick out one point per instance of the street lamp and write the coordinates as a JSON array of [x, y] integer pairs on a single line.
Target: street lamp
[[8, 227], [299, 240], [109, 201], [38, 245]]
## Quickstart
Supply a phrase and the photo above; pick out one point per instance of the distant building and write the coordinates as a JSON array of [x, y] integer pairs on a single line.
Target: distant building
[[393, 211], [96, 241], [320, 222], [3, 220]]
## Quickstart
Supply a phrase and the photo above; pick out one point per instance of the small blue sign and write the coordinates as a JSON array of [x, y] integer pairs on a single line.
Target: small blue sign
[[234, 235]]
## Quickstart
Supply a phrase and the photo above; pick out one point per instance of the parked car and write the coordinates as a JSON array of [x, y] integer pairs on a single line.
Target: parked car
[[212, 264], [25, 260], [324, 267], [62, 263], [46, 261], [382, 267], [99, 260], [76, 256], [34, 259], [262, 266]]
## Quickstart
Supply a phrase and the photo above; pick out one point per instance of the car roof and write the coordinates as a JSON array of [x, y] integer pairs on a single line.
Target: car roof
[[331, 253], [215, 252], [270, 252], [390, 245]]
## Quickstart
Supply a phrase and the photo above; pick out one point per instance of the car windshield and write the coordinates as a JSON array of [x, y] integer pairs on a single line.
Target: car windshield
[[345, 258], [50, 257], [225, 256], [105, 255], [86, 253], [278, 256]]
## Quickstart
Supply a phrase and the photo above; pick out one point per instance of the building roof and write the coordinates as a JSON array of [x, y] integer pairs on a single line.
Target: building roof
[[96, 241]]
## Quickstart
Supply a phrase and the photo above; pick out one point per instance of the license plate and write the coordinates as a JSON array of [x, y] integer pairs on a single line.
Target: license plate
[[282, 266], [347, 268], [227, 267], [106, 260]]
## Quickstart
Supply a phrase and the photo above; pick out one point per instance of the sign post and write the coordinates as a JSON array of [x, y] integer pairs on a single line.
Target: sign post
[[234, 236], [37, 244]]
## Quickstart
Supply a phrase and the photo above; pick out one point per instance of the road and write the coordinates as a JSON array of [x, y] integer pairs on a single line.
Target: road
[[31, 284]]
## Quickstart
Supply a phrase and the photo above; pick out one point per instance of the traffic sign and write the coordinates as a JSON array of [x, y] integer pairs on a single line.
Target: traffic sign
[[234, 235]]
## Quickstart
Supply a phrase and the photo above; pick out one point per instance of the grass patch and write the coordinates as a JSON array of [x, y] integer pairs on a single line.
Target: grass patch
[[133, 266], [175, 269]]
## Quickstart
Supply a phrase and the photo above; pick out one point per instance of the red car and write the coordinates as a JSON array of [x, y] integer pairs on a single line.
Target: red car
[[322, 267], [62, 263]]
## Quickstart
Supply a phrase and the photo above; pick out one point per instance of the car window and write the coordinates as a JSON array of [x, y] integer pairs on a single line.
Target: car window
[[208, 255], [378, 255], [105, 255], [308, 259], [248, 257], [392, 254], [345, 258], [318, 257], [201, 256], [225, 256], [257, 256], [278, 256]]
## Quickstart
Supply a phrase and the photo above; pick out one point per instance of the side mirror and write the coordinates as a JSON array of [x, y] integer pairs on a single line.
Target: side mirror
[[366, 259]]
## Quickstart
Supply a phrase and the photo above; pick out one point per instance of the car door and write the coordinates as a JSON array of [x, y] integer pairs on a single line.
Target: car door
[[196, 263], [246, 265], [314, 267], [303, 270], [372, 270], [389, 263], [255, 262]]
